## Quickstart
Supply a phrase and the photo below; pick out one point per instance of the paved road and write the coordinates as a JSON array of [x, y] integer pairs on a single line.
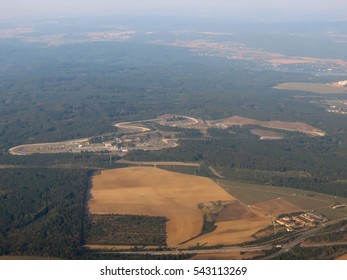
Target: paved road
[[323, 244], [203, 251], [252, 248]]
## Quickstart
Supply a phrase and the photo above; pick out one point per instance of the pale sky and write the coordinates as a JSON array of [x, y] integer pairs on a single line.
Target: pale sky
[[16, 9]]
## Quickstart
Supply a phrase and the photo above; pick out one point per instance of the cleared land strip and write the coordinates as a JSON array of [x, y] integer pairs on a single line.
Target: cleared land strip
[[7, 166], [278, 193], [215, 172], [280, 125], [155, 163]]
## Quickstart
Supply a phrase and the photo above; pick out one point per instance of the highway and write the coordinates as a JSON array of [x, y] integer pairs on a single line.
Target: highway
[[287, 247], [202, 251], [301, 236]]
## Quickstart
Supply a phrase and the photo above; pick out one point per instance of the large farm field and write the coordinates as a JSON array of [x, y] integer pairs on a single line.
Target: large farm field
[[232, 232], [343, 257], [155, 192], [237, 210]]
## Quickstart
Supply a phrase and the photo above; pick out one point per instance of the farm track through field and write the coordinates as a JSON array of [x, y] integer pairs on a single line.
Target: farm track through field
[[215, 172]]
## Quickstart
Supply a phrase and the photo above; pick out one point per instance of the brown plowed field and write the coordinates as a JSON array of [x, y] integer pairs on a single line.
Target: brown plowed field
[[235, 211], [343, 257], [275, 207], [232, 232], [155, 192]]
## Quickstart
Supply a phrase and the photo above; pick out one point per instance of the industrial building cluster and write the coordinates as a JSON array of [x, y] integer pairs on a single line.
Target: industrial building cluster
[[299, 220]]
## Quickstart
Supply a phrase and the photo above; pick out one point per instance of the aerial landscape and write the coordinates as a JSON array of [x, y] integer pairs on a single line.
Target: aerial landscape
[[174, 135]]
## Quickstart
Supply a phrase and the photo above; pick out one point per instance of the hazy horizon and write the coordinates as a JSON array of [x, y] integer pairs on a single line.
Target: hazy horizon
[[245, 9]]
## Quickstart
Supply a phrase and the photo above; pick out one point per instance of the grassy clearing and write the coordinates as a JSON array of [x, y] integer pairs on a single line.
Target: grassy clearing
[[251, 194], [308, 203], [191, 170], [333, 214], [259, 176]]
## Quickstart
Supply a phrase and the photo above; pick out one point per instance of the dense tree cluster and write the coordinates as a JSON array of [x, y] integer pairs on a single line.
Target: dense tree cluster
[[80, 90], [42, 211], [126, 230], [318, 157], [62, 160], [313, 253]]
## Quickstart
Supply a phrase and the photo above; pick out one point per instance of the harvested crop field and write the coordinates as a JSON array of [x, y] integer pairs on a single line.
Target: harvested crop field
[[235, 210], [273, 208], [232, 232], [343, 257], [156, 192]]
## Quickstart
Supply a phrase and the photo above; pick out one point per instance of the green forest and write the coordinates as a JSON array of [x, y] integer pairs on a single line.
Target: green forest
[[42, 211], [126, 230], [81, 90]]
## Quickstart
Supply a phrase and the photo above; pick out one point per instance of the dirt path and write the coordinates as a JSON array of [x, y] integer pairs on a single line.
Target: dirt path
[[215, 172]]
